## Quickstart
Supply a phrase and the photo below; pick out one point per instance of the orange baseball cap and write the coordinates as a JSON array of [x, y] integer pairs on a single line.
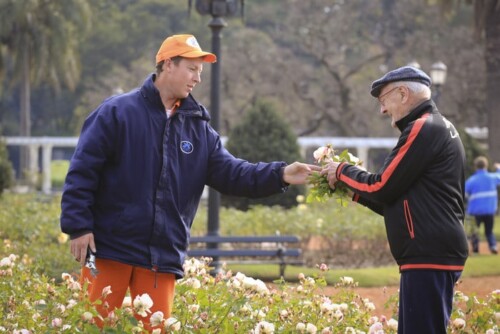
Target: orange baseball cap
[[185, 46]]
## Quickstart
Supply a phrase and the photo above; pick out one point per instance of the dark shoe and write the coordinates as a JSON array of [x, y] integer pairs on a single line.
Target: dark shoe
[[494, 251], [474, 242]]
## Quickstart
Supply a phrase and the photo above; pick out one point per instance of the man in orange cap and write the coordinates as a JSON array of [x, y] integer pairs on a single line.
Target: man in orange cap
[[137, 175]]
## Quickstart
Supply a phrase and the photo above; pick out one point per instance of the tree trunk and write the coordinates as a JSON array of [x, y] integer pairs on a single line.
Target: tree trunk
[[492, 57], [25, 112]]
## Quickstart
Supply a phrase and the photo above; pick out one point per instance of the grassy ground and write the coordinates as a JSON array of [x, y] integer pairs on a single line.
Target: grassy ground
[[476, 266]]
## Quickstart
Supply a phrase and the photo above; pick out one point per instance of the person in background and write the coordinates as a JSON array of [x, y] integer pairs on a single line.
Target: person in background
[[137, 175], [482, 201], [420, 192]]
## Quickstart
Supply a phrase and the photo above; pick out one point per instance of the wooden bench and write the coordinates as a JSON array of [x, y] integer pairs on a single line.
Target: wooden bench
[[271, 248]]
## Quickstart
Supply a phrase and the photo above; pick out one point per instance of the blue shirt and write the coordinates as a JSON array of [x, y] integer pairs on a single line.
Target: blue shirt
[[481, 191]]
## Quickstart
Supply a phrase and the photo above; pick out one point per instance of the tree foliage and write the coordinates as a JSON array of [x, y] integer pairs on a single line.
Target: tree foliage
[[263, 135], [487, 30], [6, 175], [473, 149], [317, 58], [39, 41]]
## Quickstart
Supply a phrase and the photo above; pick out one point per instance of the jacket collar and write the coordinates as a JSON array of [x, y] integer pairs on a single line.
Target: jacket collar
[[417, 112], [189, 106]]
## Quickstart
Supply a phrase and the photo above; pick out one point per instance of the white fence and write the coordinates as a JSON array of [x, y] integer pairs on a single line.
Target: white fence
[[47, 144], [362, 145]]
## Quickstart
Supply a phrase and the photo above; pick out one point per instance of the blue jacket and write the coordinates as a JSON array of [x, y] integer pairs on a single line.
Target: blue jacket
[[136, 178], [481, 191]]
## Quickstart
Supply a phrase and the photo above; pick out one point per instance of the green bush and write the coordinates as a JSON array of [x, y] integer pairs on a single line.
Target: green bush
[[472, 151], [341, 237], [6, 174], [327, 231], [59, 169], [264, 136], [349, 236], [30, 224]]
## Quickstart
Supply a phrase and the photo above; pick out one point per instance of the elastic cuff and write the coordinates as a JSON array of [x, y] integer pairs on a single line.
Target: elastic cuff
[[338, 173], [282, 173], [79, 234]]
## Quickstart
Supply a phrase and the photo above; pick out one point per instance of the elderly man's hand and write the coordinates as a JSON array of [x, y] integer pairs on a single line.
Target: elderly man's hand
[[330, 171]]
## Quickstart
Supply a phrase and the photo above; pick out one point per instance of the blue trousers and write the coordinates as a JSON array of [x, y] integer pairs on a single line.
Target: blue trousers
[[488, 221], [425, 301]]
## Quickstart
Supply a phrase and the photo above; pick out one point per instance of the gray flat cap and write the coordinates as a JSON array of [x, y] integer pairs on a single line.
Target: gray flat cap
[[405, 73]]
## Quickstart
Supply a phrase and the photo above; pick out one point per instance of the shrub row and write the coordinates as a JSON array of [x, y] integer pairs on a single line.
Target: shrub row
[[338, 236]]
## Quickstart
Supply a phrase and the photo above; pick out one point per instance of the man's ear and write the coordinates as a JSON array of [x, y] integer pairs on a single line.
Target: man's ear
[[405, 94], [167, 64]]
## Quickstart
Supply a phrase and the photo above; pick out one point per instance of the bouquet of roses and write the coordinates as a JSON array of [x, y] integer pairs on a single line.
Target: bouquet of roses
[[320, 190]]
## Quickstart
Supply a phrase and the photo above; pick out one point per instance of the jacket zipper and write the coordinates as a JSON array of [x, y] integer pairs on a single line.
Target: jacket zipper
[[409, 221]]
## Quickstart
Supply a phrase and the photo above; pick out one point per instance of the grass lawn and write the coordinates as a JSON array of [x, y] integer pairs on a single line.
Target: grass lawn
[[476, 266]]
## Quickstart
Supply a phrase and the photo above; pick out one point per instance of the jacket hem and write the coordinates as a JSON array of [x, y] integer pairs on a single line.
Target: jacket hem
[[431, 266]]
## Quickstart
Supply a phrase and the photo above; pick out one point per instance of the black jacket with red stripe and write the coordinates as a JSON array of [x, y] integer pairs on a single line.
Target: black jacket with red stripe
[[419, 191]]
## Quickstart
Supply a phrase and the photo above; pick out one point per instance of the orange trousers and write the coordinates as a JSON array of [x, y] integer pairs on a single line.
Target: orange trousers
[[121, 277]]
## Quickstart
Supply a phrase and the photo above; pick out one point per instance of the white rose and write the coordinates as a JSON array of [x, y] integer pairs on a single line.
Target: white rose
[[142, 304], [310, 328], [346, 280], [320, 153], [264, 327], [300, 327], [392, 324], [459, 323], [156, 318], [173, 324]]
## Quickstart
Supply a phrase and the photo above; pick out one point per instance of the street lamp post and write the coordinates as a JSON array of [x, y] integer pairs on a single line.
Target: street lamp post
[[438, 76], [218, 9]]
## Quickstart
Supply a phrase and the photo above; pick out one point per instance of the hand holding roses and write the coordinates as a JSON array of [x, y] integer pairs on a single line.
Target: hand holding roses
[[321, 190]]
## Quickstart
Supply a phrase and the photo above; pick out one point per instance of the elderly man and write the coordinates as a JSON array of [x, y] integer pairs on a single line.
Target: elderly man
[[420, 192]]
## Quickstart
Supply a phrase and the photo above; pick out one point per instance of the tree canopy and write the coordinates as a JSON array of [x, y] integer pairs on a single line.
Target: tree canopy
[[318, 58]]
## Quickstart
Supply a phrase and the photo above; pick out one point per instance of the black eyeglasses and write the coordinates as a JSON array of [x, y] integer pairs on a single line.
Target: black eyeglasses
[[382, 101]]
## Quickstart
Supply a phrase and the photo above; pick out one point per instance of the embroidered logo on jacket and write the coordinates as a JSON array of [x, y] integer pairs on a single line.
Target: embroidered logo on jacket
[[187, 147], [453, 131]]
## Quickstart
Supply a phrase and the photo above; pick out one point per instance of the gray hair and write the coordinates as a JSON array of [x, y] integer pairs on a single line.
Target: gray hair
[[418, 88]]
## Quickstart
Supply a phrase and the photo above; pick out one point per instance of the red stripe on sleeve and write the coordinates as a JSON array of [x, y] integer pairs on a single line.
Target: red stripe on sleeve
[[394, 163]]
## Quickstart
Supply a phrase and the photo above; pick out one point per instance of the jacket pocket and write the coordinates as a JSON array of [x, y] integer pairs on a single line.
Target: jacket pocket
[[408, 219]]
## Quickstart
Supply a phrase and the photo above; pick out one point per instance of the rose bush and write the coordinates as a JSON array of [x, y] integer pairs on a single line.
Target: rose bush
[[226, 303]]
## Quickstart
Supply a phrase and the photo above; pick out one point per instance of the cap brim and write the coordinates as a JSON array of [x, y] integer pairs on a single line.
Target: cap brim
[[207, 56], [375, 92]]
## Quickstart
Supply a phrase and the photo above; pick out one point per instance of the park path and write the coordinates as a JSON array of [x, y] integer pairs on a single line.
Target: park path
[[478, 286]]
